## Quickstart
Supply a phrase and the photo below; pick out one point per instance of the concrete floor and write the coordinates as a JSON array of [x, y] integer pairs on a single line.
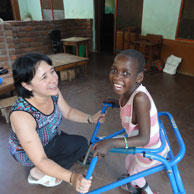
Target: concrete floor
[[172, 93]]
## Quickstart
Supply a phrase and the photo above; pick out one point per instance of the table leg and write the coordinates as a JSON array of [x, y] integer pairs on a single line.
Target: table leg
[[64, 47], [77, 49], [87, 50]]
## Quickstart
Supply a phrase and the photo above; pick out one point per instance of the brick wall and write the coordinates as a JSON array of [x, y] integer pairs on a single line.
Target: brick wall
[[7, 46], [19, 37]]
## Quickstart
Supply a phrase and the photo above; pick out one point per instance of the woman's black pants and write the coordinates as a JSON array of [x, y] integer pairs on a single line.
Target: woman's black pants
[[66, 149]]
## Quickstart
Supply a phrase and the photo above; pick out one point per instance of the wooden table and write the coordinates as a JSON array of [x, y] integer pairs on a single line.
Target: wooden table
[[76, 41], [62, 61], [7, 85]]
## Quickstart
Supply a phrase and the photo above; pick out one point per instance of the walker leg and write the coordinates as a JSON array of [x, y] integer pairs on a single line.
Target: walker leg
[[178, 180], [87, 154], [91, 168]]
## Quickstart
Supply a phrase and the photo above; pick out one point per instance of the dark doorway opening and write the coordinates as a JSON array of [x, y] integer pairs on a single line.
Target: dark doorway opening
[[107, 33], [104, 28], [6, 10]]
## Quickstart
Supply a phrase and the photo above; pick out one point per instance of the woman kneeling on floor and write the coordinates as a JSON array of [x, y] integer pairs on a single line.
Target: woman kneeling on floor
[[36, 139]]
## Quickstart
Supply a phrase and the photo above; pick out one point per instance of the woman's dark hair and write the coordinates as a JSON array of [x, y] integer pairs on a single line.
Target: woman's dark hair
[[24, 69], [137, 56]]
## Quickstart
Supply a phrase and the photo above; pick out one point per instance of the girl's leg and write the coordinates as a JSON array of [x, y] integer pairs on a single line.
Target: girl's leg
[[135, 188], [133, 168], [147, 190], [66, 149]]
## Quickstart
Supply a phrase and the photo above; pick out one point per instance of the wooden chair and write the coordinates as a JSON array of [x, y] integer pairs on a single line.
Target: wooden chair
[[150, 47], [132, 36], [125, 38]]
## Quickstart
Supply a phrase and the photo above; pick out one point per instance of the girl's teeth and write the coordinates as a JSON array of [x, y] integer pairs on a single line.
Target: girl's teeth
[[118, 85]]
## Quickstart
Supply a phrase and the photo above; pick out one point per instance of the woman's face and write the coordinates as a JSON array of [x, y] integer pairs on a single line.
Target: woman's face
[[45, 81]]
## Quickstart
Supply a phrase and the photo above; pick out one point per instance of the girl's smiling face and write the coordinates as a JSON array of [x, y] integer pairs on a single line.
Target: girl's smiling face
[[124, 75]]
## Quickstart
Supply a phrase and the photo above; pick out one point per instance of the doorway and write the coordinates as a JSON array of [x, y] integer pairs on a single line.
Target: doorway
[[6, 10], [104, 25], [9, 10], [126, 13]]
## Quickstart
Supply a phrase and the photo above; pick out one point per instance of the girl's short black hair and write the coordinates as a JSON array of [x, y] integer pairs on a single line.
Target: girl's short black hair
[[137, 56], [24, 69]]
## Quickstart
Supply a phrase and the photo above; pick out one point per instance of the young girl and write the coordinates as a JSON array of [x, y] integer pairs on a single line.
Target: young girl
[[138, 115]]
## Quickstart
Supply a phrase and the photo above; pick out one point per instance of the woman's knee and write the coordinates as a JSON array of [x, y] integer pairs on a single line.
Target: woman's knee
[[83, 143], [77, 142]]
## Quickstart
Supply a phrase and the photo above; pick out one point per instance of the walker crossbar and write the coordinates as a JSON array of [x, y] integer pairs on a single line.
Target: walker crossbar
[[104, 107], [169, 164], [135, 150]]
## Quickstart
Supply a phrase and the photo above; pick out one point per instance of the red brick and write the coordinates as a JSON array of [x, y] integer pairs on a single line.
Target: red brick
[[3, 58], [17, 41], [2, 46], [13, 57], [9, 39], [8, 33], [21, 34], [7, 26], [33, 34], [3, 52], [11, 45], [18, 52], [28, 28], [35, 44], [2, 39], [29, 39], [25, 50], [6, 64], [22, 45], [44, 33], [12, 52]]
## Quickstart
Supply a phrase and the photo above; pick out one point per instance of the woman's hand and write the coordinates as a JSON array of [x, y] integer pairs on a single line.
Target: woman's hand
[[101, 148], [81, 184], [97, 117]]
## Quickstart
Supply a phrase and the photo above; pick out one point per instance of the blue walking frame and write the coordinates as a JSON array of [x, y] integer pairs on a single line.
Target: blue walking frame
[[168, 164]]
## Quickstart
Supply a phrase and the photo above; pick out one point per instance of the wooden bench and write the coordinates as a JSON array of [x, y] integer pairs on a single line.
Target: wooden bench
[[5, 104]]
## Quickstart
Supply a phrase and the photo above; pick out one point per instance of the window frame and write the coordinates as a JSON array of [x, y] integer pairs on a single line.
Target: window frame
[[51, 7], [178, 24]]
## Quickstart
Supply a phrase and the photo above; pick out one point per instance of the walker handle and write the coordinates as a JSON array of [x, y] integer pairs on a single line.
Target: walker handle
[[104, 107]]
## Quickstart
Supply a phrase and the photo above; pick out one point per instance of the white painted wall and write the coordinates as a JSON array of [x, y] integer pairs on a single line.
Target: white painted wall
[[29, 7], [161, 17], [82, 9]]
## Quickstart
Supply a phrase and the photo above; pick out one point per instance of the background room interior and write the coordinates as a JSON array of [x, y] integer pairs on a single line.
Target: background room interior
[[109, 27]]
